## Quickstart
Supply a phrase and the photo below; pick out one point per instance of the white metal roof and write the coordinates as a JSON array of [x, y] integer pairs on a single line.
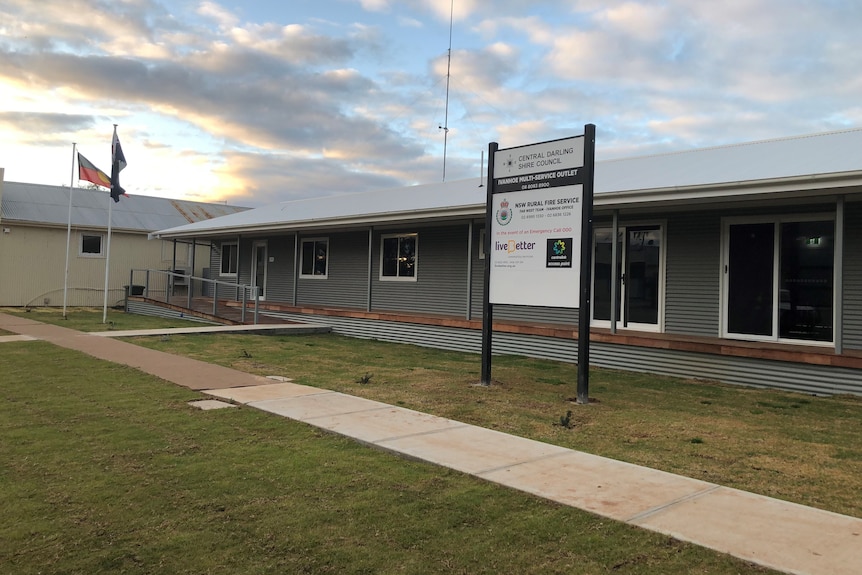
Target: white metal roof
[[827, 153], [49, 205], [805, 162]]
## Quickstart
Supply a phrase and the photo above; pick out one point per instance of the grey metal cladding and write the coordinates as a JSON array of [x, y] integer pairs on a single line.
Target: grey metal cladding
[[789, 376], [279, 272], [441, 277], [853, 275], [692, 282], [243, 275], [346, 283], [477, 276]]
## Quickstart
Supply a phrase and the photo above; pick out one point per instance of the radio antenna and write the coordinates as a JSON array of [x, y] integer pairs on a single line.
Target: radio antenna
[[445, 126]]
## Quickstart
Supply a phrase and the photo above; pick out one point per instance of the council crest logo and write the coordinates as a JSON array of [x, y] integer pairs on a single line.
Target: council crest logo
[[504, 214]]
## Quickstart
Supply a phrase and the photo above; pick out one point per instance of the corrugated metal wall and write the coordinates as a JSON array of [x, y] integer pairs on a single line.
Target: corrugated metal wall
[[815, 379], [853, 275], [441, 284], [692, 294], [33, 261], [477, 274], [279, 272], [244, 264], [346, 284]]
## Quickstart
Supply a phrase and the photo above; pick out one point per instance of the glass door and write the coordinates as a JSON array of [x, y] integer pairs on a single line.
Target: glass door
[[641, 281], [602, 277], [258, 272], [639, 277], [750, 279]]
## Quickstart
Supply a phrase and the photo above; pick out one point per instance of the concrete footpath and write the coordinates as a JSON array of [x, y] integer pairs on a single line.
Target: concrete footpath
[[770, 532]]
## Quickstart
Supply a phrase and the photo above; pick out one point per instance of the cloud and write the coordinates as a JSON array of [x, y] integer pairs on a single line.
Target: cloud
[[35, 127], [260, 179]]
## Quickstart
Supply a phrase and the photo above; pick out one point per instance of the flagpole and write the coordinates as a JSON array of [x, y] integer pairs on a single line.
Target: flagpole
[[68, 231], [114, 182], [107, 260]]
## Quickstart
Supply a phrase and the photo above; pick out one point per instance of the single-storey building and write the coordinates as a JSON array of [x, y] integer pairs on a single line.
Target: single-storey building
[[33, 232], [740, 263]]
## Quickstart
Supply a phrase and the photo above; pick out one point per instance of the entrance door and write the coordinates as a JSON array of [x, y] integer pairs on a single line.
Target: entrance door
[[639, 277], [750, 278], [258, 272]]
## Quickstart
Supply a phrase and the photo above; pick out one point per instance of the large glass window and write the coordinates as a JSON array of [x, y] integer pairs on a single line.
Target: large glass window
[[229, 258], [315, 258], [602, 277], [780, 279], [399, 256], [806, 286]]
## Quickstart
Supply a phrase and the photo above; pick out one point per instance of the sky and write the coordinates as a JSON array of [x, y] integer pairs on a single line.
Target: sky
[[252, 102]]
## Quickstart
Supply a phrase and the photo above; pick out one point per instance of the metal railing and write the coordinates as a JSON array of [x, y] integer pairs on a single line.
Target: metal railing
[[163, 285]]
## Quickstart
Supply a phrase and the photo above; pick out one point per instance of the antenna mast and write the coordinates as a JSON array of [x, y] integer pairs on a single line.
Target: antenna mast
[[445, 125]]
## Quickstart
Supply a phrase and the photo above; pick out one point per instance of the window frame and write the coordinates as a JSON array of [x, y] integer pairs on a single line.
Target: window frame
[[776, 220], [313, 276], [623, 321], [400, 278], [100, 253], [235, 245]]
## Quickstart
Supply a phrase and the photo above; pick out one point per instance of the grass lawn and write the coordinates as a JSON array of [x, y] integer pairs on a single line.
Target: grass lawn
[[785, 445], [90, 319], [108, 470]]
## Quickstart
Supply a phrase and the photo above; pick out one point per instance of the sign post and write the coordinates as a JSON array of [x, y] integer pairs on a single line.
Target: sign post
[[539, 235]]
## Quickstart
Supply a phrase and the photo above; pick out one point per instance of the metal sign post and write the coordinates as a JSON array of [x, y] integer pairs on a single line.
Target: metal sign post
[[586, 266], [538, 236]]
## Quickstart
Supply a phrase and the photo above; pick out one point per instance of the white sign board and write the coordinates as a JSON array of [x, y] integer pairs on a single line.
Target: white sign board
[[536, 225]]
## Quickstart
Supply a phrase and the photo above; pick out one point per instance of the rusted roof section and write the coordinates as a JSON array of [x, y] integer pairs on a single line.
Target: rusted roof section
[[197, 212], [49, 205]]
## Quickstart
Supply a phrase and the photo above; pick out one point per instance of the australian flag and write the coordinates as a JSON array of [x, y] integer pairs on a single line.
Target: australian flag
[[118, 162]]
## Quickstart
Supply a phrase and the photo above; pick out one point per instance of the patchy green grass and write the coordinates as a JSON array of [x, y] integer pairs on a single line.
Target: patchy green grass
[[108, 470], [90, 319], [785, 445]]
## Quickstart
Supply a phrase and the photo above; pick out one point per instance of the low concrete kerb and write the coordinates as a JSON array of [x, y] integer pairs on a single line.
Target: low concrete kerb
[[269, 329], [13, 338]]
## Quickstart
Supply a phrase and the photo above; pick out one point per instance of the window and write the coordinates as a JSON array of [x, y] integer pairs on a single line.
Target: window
[[639, 275], [315, 258], [779, 279], [91, 245], [482, 244], [398, 257], [229, 258]]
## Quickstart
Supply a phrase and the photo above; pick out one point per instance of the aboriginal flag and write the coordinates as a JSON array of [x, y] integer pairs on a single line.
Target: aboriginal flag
[[87, 171]]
